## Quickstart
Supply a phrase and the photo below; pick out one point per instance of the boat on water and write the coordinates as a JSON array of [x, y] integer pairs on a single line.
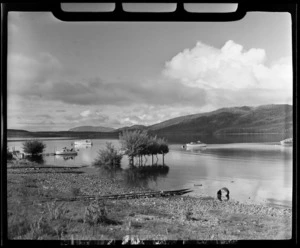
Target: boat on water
[[287, 142], [86, 142], [66, 151], [195, 145]]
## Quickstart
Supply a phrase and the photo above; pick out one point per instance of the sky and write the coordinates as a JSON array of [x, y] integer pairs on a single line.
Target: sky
[[68, 74]]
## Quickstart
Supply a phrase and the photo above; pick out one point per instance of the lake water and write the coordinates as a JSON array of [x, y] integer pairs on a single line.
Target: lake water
[[259, 172]]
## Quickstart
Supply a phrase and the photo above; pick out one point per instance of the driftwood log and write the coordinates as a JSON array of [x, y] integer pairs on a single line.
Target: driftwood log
[[127, 196]]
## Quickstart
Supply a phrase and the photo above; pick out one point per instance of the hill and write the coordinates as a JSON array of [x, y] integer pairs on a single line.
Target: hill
[[91, 129], [11, 133], [263, 119], [131, 128], [275, 118]]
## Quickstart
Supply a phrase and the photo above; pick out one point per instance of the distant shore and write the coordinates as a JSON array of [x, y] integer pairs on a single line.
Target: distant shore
[[171, 137], [10, 139]]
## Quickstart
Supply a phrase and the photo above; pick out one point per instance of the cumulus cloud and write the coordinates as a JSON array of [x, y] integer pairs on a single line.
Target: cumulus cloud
[[232, 76], [230, 67]]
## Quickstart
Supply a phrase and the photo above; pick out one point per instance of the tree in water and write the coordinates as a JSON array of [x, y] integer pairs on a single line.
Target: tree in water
[[153, 148], [162, 148], [138, 144], [135, 144]]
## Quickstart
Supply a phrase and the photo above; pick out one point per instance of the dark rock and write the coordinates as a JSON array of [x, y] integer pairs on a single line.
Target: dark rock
[[223, 194]]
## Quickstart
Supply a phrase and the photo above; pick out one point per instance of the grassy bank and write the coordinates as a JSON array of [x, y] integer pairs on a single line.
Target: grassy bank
[[33, 212]]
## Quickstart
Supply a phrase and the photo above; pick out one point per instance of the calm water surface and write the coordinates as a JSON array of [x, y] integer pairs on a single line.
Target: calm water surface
[[258, 172]]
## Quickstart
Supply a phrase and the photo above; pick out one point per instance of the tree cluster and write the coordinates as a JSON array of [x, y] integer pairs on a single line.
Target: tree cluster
[[33, 147], [137, 145]]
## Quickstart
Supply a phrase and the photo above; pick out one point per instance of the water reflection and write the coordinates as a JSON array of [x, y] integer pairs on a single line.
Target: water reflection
[[240, 152], [36, 159], [66, 157], [141, 176], [196, 150], [110, 172]]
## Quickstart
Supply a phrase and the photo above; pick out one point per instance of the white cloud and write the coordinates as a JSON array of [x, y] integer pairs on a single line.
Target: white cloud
[[278, 76], [232, 76], [85, 113], [230, 67]]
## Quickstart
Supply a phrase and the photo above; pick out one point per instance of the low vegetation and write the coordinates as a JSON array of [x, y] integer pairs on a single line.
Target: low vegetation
[[95, 213], [33, 147], [138, 145]]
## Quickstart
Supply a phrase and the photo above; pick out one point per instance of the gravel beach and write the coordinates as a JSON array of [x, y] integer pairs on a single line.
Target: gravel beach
[[33, 198]]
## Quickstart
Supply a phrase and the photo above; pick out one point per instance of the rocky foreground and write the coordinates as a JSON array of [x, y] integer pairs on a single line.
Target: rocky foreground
[[46, 203]]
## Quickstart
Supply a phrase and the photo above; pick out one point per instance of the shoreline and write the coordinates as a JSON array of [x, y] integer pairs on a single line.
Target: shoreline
[[91, 169], [159, 218]]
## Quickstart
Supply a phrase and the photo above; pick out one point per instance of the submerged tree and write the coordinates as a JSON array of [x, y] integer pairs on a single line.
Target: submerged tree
[[162, 148], [134, 143], [138, 144], [153, 148]]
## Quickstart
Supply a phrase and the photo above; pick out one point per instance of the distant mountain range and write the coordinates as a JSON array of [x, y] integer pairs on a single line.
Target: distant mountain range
[[274, 118], [91, 129]]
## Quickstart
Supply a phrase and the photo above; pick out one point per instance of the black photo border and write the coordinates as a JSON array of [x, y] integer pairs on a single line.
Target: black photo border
[[118, 15]]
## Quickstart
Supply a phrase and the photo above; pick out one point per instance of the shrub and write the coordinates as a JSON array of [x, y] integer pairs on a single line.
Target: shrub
[[33, 147], [40, 229], [9, 154], [109, 157], [95, 213], [56, 211]]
